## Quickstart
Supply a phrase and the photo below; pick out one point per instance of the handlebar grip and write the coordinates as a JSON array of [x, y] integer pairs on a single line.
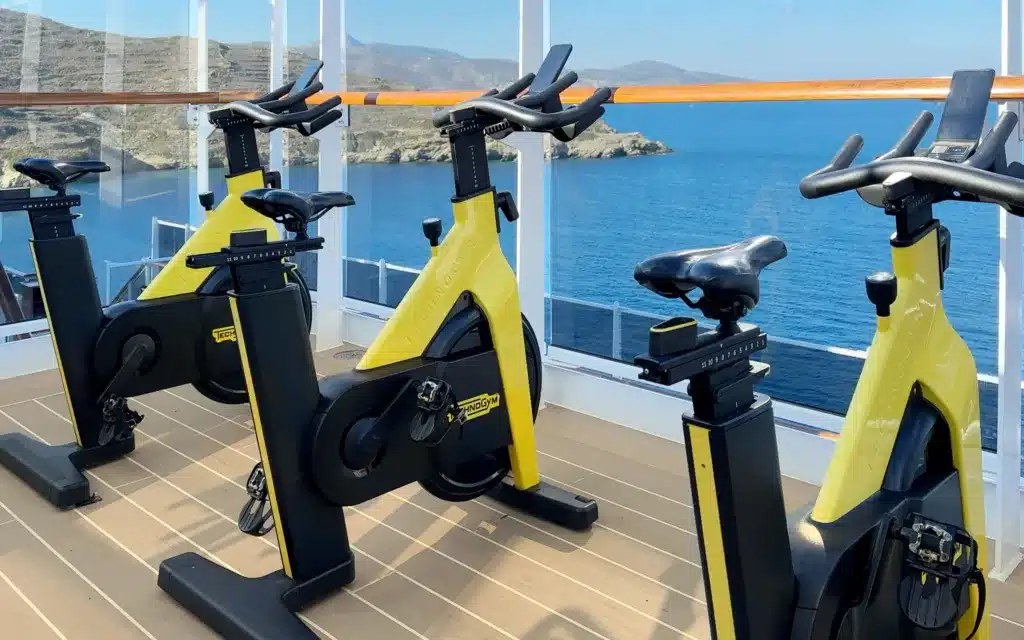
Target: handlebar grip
[[826, 182], [515, 88], [847, 154], [284, 103], [309, 115], [994, 141], [572, 131], [548, 92], [580, 111], [319, 123], [275, 94], [911, 139]]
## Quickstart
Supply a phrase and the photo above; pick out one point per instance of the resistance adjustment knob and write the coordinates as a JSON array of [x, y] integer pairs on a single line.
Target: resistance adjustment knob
[[432, 230], [881, 288]]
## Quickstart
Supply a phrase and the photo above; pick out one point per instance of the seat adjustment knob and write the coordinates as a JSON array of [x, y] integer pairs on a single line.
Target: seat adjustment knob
[[206, 200], [881, 288], [432, 230]]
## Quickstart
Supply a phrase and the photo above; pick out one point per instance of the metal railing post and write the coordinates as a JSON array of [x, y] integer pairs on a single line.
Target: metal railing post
[[531, 235], [382, 282], [200, 122], [332, 176], [106, 287], [1007, 533], [616, 331], [278, 53]]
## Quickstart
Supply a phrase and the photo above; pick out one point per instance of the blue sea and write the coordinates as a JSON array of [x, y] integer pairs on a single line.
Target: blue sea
[[733, 174]]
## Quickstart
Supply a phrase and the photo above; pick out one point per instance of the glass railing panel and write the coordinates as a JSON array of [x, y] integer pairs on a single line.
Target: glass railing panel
[[137, 210], [301, 153], [106, 46], [688, 43], [398, 165], [714, 188]]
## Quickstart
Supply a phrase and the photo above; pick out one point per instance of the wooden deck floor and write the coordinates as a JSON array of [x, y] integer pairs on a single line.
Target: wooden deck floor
[[426, 569]]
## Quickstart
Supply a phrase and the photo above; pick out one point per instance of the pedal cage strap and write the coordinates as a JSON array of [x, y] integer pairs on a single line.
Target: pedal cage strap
[[978, 577], [256, 512]]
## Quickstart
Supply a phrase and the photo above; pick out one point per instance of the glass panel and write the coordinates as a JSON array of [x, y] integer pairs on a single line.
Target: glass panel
[[109, 45], [398, 166], [729, 171], [301, 153]]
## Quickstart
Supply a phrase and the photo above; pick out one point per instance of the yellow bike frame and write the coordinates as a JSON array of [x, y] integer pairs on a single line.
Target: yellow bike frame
[[469, 259], [212, 235], [915, 344]]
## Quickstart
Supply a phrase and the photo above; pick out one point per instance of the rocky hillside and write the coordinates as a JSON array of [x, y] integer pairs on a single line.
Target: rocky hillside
[[38, 54]]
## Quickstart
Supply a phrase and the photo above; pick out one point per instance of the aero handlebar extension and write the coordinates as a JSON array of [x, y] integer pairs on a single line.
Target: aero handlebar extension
[[976, 176]]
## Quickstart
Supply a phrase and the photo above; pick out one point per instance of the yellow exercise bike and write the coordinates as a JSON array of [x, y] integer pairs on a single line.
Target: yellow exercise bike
[[179, 330], [445, 396], [894, 545]]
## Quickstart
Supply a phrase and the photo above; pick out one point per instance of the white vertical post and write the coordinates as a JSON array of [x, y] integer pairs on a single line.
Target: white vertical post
[[616, 331], [203, 128], [332, 177], [382, 282], [111, 134], [31, 40], [1007, 533], [278, 51], [531, 237]]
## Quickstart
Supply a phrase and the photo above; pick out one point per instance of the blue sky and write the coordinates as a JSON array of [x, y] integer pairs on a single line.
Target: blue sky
[[761, 39]]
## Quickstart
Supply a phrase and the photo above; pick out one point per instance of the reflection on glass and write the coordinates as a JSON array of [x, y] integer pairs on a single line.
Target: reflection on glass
[[138, 209]]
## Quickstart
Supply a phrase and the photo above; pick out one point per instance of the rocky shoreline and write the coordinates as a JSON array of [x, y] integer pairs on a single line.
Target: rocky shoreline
[[155, 138]]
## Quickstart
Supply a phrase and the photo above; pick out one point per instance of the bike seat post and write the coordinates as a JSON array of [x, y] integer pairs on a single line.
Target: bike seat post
[[735, 477]]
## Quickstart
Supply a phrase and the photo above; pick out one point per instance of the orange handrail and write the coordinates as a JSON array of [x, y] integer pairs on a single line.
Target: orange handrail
[[1006, 88], [100, 98]]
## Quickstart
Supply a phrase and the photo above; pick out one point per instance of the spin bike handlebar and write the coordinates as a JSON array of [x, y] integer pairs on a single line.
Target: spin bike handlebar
[[315, 118], [521, 113], [976, 176], [908, 143], [286, 105]]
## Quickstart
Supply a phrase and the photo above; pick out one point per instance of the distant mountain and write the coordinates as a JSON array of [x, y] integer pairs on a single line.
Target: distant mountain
[[650, 72], [73, 59], [39, 54]]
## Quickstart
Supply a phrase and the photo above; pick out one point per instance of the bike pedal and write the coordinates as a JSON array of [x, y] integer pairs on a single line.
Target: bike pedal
[[119, 420], [253, 518], [939, 563], [433, 395], [438, 411]]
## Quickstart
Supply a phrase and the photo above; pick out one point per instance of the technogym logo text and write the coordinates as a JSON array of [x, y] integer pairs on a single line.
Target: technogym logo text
[[479, 405], [224, 334]]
